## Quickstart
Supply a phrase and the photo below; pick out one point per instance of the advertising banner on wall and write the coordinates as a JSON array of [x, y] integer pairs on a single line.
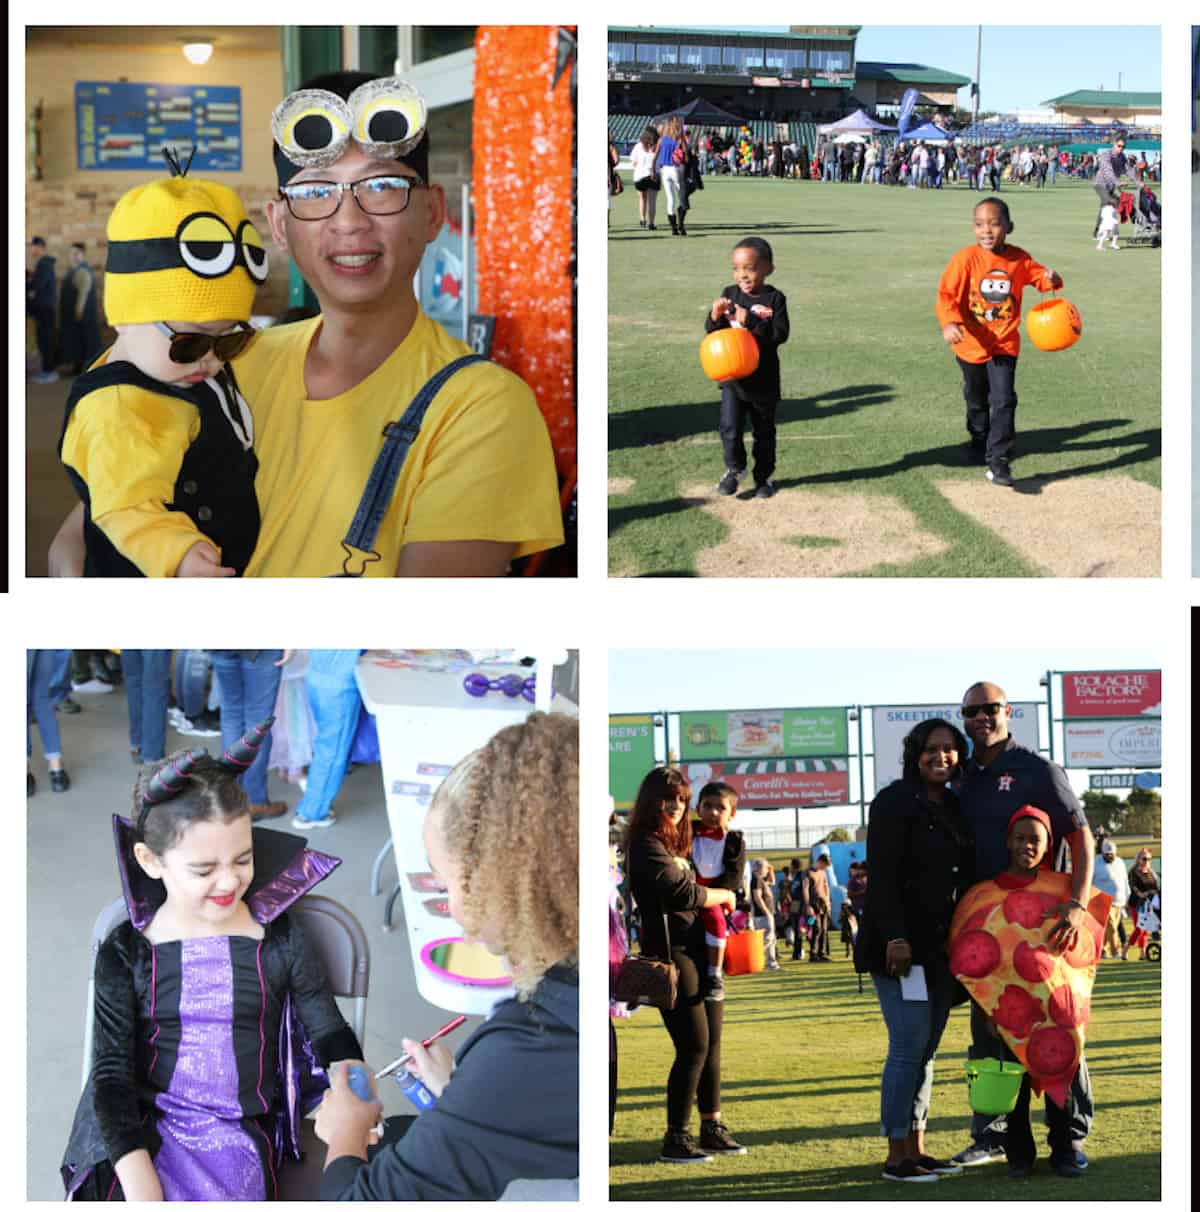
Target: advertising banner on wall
[[891, 725], [783, 783], [630, 755], [1136, 743], [1123, 692], [778, 732]]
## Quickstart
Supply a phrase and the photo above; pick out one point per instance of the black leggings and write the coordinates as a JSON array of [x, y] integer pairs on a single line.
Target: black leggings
[[695, 1029]]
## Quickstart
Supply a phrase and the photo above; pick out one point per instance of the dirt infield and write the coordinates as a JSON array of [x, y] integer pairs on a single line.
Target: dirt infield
[[809, 533], [1095, 527]]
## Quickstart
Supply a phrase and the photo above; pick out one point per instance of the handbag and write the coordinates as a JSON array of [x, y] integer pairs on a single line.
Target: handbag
[[643, 981]]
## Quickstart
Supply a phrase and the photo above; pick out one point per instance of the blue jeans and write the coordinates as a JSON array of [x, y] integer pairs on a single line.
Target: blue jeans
[[42, 667], [147, 681], [248, 682], [335, 702], [914, 1032]]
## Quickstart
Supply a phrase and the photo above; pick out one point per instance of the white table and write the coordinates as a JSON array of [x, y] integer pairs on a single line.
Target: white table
[[426, 723]]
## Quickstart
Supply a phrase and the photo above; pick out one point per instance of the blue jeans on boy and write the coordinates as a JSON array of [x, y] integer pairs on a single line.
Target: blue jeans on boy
[[42, 667], [147, 683], [335, 702], [914, 1032], [247, 682]]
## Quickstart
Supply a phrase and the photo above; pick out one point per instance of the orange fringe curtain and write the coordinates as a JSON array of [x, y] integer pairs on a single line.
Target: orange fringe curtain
[[521, 142]]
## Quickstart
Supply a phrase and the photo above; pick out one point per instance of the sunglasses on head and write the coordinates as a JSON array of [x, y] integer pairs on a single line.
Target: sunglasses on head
[[189, 347], [993, 709]]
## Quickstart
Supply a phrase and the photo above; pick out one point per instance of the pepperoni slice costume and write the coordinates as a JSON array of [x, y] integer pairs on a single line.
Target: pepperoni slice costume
[[1039, 999]]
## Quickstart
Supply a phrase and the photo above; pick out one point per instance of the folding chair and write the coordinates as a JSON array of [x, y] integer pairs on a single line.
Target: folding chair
[[339, 941]]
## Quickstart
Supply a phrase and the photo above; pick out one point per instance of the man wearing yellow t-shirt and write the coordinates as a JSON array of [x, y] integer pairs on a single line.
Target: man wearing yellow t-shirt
[[477, 487]]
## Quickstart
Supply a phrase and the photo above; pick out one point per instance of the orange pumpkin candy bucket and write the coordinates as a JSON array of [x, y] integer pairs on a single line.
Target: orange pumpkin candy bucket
[[728, 354], [1053, 324]]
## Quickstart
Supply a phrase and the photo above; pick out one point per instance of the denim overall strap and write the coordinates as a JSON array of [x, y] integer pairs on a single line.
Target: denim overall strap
[[398, 436]]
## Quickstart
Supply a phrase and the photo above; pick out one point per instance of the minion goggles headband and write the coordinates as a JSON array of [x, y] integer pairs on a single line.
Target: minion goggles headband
[[385, 117]]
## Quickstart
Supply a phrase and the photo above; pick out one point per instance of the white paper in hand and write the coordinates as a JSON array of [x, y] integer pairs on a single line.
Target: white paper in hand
[[912, 986]]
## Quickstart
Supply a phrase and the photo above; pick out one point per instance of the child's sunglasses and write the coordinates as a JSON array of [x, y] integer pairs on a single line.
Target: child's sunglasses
[[189, 347]]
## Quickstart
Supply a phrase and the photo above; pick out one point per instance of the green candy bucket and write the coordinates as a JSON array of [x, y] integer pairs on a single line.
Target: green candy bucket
[[992, 1085]]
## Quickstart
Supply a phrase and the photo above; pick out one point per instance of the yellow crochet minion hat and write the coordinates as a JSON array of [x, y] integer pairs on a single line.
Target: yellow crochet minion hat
[[181, 249]]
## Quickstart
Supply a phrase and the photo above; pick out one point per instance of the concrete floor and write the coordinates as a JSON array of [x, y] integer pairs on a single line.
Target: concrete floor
[[49, 495], [72, 875]]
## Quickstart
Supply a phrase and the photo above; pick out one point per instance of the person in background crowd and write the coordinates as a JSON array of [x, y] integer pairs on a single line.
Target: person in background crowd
[[43, 688], [41, 302], [818, 909], [762, 898], [78, 321], [1110, 876], [1143, 887]]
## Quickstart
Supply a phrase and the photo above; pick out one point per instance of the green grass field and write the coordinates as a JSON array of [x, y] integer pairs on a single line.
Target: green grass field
[[871, 466], [802, 1053]]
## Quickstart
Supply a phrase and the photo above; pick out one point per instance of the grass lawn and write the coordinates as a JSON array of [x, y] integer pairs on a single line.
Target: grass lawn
[[802, 1053], [871, 467]]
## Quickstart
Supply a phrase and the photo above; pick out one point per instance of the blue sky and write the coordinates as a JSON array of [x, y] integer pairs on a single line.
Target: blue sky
[[678, 680], [1022, 66]]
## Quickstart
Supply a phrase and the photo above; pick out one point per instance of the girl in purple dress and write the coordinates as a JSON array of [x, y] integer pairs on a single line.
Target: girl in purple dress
[[213, 1020]]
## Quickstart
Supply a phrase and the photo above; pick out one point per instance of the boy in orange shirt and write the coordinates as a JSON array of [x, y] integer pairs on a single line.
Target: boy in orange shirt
[[979, 309]]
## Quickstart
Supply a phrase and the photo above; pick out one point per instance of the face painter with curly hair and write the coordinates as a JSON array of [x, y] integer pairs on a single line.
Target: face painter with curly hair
[[502, 832]]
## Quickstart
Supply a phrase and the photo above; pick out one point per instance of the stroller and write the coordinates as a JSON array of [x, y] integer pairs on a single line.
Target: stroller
[[1150, 920], [1145, 215]]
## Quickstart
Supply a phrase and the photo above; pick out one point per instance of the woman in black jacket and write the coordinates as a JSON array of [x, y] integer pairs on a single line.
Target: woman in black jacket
[[921, 861], [663, 884]]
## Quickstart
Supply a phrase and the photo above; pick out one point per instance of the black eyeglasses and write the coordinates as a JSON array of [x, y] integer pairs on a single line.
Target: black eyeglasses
[[993, 709], [189, 347], [313, 200]]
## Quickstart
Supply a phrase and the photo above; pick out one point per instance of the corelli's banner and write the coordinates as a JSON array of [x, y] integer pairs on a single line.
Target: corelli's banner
[[892, 724], [800, 732], [630, 755], [1136, 743], [1123, 692], [780, 783]]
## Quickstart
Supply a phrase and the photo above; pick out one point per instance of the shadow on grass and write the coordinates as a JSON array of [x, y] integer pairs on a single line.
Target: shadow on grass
[[1137, 1173], [1146, 444], [641, 427]]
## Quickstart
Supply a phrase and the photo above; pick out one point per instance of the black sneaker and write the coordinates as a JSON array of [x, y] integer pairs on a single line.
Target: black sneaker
[[999, 474], [1019, 1171], [1066, 1165], [766, 489], [946, 1169], [59, 780], [680, 1147], [908, 1171], [729, 482], [979, 1155], [716, 1138], [716, 990], [30, 784], [68, 706]]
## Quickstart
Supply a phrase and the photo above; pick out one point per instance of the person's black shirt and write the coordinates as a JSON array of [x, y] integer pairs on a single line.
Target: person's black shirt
[[767, 322]]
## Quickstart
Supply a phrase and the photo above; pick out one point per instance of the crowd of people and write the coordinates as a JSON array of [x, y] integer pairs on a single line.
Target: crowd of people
[[917, 164], [313, 695], [965, 820]]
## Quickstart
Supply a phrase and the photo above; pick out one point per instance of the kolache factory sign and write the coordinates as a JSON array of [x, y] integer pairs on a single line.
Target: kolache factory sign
[[1117, 693]]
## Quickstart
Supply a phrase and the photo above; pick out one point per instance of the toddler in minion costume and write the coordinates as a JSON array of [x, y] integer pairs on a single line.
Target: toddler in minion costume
[[157, 439]]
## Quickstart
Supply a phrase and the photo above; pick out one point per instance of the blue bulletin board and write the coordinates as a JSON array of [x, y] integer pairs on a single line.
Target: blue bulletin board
[[126, 126]]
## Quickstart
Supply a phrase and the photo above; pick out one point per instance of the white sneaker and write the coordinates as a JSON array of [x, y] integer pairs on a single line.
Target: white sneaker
[[92, 686], [321, 822]]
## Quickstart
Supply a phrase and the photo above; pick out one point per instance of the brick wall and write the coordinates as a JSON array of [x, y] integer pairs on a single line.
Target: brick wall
[[67, 213]]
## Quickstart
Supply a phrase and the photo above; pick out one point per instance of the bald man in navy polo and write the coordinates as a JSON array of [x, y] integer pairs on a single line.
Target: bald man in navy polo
[[1002, 776]]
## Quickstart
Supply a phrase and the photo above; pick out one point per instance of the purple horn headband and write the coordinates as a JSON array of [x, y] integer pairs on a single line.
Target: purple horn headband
[[169, 780]]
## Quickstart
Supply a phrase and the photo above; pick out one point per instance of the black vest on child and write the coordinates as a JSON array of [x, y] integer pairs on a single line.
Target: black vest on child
[[215, 486]]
